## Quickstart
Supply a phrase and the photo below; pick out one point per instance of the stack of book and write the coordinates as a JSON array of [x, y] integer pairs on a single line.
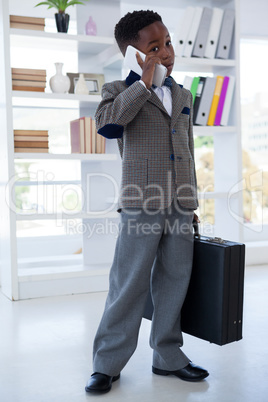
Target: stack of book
[[31, 141], [28, 79], [205, 32], [84, 137], [17, 21], [212, 97]]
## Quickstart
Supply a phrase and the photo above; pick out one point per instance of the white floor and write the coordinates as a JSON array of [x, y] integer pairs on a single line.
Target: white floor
[[45, 354]]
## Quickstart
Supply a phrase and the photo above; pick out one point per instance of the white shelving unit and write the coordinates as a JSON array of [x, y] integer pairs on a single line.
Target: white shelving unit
[[227, 194], [27, 277]]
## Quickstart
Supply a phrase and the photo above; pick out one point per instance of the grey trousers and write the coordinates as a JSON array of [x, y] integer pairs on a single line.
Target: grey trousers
[[156, 248]]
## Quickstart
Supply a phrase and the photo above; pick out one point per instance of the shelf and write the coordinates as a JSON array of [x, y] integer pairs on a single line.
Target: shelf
[[91, 45], [213, 195], [61, 215], [196, 64], [79, 157], [206, 131], [51, 100]]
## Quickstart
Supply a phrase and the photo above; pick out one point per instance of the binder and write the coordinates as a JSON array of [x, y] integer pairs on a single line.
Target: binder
[[205, 102], [187, 83], [215, 101], [202, 33], [182, 31], [226, 34], [190, 40], [198, 95], [214, 33], [194, 87], [225, 83], [228, 102]]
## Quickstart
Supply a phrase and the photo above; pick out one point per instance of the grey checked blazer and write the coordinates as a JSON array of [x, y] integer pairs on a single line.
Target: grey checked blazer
[[157, 150]]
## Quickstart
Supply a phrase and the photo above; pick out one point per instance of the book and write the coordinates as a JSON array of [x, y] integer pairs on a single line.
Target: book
[[31, 132], [33, 150], [215, 100], [202, 33], [182, 31], [30, 138], [84, 137], [77, 136], [27, 20], [205, 101], [189, 44], [226, 34], [41, 84], [28, 71], [28, 77], [98, 143], [88, 134], [103, 144], [228, 102], [94, 135], [217, 121], [198, 95], [27, 88], [31, 144], [34, 27], [214, 33], [194, 87]]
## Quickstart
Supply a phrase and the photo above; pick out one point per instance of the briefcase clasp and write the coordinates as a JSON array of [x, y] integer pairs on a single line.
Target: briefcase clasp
[[216, 240]]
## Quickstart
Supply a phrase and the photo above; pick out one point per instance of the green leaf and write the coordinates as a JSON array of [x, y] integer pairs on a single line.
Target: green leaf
[[74, 2], [61, 5], [49, 3]]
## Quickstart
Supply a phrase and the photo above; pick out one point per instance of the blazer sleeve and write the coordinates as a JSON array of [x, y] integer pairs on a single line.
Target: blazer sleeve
[[118, 107]]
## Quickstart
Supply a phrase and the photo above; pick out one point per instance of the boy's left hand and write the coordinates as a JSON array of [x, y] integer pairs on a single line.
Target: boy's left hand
[[196, 219]]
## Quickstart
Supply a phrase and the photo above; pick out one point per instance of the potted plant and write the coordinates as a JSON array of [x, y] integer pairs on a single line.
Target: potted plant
[[62, 19]]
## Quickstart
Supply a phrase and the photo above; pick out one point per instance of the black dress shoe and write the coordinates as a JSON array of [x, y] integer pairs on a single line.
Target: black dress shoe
[[100, 383], [188, 373]]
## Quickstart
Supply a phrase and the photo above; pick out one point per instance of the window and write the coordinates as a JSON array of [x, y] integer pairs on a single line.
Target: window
[[254, 125]]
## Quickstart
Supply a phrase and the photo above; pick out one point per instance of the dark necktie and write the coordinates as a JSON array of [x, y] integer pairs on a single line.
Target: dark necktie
[[168, 82]]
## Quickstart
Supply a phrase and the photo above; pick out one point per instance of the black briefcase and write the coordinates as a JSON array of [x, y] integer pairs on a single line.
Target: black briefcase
[[213, 307]]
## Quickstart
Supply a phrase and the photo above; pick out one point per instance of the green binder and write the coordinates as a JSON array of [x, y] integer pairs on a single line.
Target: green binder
[[194, 87]]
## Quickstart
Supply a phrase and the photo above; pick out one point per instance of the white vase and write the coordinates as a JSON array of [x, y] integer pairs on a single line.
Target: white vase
[[81, 86], [59, 83]]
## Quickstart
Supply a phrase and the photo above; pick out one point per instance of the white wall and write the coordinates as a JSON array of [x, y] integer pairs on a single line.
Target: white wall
[[254, 15]]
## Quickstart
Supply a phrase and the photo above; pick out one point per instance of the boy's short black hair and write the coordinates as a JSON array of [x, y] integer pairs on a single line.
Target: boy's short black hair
[[126, 31]]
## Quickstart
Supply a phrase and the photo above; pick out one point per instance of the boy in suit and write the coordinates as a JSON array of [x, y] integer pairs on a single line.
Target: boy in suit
[[153, 127]]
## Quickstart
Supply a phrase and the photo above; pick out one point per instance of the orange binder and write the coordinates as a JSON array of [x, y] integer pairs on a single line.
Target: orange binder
[[215, 101]]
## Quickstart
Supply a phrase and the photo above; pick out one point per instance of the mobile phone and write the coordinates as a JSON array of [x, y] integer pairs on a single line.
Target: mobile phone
[[130, 61]]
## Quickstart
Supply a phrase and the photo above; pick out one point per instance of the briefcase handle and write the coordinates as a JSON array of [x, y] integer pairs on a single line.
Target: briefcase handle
[[196, 229], [197, 235]]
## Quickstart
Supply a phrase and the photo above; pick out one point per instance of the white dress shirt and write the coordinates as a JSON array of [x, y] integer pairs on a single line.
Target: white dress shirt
[[164, 94]]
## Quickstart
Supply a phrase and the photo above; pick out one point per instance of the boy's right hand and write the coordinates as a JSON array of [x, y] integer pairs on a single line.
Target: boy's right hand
[[148, 67]]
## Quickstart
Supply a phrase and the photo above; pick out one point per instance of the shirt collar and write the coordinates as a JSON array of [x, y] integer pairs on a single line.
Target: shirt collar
[[133, 77]]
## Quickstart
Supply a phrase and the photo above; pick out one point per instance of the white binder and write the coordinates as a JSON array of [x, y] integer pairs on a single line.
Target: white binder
[[187, 83], [205, 101], [182, 31], [228, 102], [190, 40], [226, 34], [214, 33], [202, 33]]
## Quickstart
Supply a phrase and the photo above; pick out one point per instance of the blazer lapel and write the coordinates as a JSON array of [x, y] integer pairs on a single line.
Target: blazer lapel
[[178, 97], [178, 102], [156, 101]]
